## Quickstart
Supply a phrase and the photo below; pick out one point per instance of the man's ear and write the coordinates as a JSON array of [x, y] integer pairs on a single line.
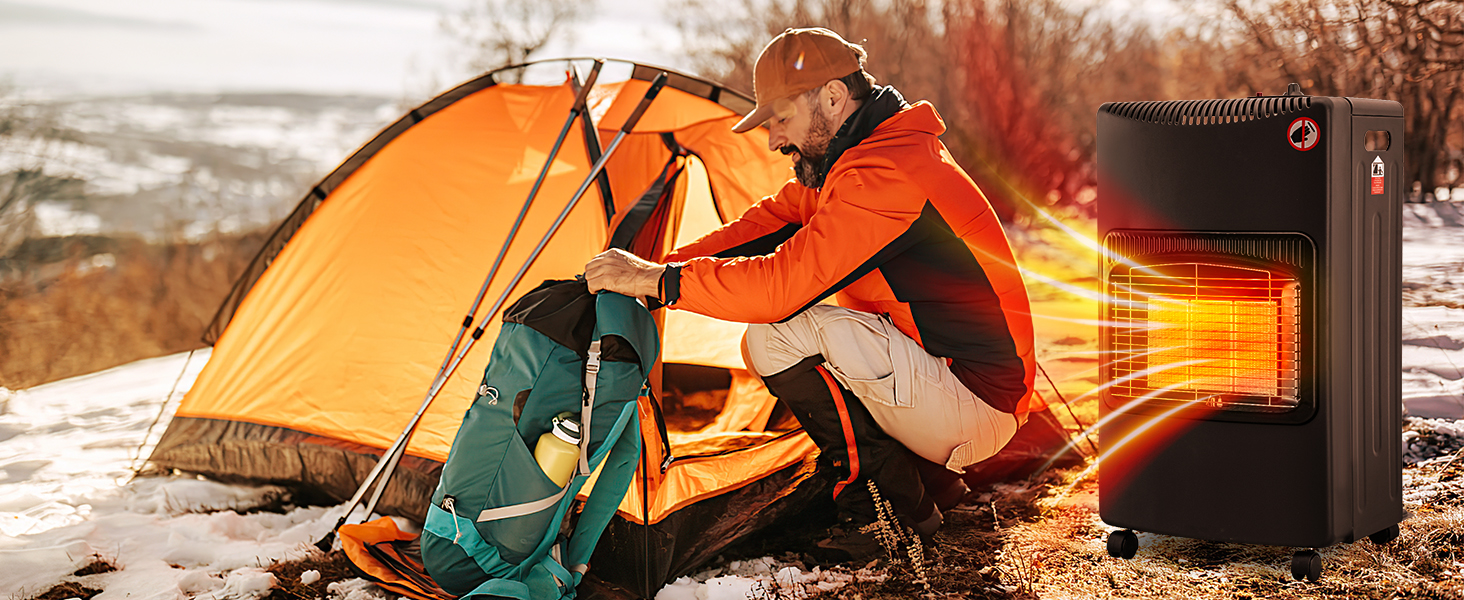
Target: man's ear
[[834, 98]]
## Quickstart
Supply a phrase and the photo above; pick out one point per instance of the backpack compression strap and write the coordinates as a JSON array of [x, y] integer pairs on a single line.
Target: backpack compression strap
[[592, 370]]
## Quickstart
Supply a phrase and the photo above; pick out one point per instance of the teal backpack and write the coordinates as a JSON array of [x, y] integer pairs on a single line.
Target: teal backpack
[[498, 526]]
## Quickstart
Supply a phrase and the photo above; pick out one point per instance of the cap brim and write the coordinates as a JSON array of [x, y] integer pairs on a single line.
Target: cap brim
[[758, 116]]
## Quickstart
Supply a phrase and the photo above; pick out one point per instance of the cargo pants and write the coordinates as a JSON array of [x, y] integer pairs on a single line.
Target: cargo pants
[[878, 407]]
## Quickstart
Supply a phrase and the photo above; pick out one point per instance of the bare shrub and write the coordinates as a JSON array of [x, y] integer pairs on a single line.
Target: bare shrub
[[75, 305], [1411, 51], [499, 33], [1016, 82], [30, 136]]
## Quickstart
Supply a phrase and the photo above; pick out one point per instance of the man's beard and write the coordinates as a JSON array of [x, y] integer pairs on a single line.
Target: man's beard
[[809, 166]]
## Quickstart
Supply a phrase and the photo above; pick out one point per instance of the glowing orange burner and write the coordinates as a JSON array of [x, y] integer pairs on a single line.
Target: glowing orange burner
[[1201, 332]]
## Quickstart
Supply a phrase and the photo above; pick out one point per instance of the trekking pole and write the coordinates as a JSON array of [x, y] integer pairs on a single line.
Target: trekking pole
[[579, 106], [580, 100], [388, 461], [381, 472], [441, 381]]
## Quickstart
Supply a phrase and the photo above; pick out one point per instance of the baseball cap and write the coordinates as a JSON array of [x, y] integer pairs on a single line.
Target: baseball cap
[[796, 61]]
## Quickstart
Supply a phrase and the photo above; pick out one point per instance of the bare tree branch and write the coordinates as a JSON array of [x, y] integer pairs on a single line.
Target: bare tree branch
[[499, 33]]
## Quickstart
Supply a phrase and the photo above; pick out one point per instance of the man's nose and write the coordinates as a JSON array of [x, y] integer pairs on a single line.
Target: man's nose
[[776, 138]]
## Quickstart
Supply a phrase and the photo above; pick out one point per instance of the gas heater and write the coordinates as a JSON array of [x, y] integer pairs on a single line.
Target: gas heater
[[1250, 347]]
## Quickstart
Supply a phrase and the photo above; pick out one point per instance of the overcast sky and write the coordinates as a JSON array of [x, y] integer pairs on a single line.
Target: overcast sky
[[391, 48], [384, 47]]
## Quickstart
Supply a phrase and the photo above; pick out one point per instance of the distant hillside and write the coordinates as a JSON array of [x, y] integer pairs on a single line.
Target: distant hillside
[[124, 221], [168, 165]]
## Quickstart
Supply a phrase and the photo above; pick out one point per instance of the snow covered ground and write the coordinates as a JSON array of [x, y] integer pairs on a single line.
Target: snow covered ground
[[67, 450], [67, 497], [1433, 310]]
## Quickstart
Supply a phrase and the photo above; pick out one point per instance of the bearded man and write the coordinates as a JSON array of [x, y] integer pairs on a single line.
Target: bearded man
[[925, 365]]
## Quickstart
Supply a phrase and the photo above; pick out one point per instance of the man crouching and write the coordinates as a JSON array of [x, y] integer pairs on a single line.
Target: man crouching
[[925, 366]]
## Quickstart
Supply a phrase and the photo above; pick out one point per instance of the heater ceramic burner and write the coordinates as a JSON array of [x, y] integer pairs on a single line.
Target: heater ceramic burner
[[1251, 268], [1223, 335]]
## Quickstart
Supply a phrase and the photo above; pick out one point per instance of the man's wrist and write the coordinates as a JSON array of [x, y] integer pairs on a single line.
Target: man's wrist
[[649, 282]]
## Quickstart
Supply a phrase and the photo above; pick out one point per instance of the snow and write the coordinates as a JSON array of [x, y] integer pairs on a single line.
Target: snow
[[761, 578], [67, 450], [60, 220], [67, 496], [1433, 310]]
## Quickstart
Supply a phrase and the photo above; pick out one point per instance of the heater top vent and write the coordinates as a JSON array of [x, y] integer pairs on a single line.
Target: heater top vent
[[1207, 112], [1285, 248]]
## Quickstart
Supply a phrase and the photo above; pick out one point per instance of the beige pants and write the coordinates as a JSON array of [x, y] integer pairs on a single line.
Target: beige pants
[[912, 395]]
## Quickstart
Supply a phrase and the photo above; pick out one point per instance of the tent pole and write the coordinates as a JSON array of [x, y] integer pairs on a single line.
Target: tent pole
[[381, 474], [645, 524], [580, 101], [579, 106]]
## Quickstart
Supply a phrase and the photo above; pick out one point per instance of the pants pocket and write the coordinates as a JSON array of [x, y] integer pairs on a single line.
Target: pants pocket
[[879, 389]]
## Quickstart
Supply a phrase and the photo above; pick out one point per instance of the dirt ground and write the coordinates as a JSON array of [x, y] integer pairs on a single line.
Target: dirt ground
[[1044, 539]]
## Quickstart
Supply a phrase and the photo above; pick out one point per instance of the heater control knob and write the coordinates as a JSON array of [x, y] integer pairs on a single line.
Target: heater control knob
[[1123, 544], [1306, 564]]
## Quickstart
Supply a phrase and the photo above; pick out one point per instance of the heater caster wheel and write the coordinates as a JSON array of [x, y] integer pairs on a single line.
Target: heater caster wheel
[[1123, 544], [1384, 536], [1306, 564]]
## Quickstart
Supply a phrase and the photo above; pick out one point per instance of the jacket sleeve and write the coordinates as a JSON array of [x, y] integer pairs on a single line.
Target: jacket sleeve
[[862, 221], [763, 226]]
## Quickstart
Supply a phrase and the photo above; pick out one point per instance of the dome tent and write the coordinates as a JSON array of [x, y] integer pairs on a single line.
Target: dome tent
[[326, 343]]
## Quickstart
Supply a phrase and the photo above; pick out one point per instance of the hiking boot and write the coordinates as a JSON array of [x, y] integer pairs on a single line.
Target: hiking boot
[[847, 543], [952, 495], [926, 528]]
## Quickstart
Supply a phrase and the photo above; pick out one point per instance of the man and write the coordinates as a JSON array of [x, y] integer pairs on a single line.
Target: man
[[926, 364]]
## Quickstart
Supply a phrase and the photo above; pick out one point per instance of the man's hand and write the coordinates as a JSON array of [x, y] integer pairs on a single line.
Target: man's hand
[[620, 271]]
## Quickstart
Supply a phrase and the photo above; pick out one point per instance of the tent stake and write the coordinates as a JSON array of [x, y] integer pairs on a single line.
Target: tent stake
[[382, 472]]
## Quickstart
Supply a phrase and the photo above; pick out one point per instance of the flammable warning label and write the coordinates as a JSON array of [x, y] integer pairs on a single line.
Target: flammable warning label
[[1377, 176]]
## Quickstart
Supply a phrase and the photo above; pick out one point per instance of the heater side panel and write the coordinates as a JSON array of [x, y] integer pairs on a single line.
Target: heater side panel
[[1368, 449]]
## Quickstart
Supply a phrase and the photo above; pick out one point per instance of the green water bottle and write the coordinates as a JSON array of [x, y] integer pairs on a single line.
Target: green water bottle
[[558, 450]]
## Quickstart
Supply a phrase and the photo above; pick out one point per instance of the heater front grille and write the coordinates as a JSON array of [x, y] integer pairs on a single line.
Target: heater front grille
[[1224, 335]]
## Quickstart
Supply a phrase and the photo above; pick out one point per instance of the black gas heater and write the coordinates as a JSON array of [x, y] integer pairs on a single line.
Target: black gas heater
[[1251, 264]]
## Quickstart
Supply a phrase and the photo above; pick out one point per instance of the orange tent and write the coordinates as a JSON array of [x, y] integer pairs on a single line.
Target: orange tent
[[327, 344]]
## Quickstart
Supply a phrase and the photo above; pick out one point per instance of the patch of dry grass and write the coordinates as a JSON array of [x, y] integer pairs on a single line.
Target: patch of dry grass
[[72, 588], [70, 306], [332, 567], [1044, 539]]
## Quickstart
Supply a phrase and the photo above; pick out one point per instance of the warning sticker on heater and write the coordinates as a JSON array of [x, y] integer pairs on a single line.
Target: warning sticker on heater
[[1377, 176], [1303, 134]]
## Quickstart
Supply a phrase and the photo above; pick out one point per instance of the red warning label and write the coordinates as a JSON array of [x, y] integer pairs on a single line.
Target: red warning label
[[1377, 176], [1303, 134]]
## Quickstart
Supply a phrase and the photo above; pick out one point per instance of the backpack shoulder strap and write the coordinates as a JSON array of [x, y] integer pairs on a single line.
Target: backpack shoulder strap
[[617, 463], [617, 314]]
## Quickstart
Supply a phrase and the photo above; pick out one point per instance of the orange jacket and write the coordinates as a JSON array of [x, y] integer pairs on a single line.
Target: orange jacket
[[897, 228]]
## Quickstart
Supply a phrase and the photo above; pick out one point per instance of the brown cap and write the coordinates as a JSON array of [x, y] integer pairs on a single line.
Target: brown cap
[[796, 61]]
